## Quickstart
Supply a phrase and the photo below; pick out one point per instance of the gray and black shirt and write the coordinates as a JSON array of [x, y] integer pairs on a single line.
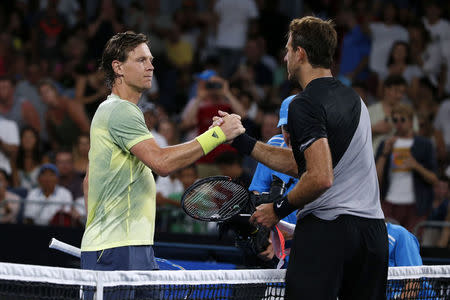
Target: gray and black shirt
[[328, 109]]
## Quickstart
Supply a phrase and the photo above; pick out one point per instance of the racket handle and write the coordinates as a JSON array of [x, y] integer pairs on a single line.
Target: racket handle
[[61, 246]]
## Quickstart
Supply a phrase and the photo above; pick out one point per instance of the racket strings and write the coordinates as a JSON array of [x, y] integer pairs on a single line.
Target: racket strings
[[215, 199]]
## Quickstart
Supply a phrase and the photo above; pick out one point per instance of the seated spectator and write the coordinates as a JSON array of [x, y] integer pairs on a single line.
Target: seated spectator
[[81, 153], [17, 108], [394, 90], [400, 63], [168, 129], [9, 144], [9, 202], [230, 164], [65, 119], [29, 159], [406, 166], [68, 176], [45, 201], [151, 120], [431, 235], [168, 199]]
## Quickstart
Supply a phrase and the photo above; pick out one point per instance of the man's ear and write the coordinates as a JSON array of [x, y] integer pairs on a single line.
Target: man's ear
[[301, 54], [117, 67]]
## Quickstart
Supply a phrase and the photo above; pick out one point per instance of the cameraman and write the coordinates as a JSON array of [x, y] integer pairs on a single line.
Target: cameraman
[[262, 178], [213, 94]]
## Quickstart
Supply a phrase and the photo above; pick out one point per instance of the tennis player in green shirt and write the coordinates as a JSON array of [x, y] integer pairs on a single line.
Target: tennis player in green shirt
[[119, 186]]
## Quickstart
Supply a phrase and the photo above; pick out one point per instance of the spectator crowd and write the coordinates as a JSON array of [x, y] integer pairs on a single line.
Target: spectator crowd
[[218, 55]]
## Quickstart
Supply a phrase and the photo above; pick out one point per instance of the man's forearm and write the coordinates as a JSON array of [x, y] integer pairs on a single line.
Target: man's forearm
[[305, 191], [276, 158]]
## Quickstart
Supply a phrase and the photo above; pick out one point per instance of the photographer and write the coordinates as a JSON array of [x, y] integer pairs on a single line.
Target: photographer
[[213, 94]]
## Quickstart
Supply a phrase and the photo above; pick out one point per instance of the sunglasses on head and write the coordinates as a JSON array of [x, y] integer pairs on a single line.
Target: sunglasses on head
[[398, 120]]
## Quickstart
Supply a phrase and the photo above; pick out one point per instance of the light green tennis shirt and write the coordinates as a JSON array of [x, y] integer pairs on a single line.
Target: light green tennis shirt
[[121, 197]]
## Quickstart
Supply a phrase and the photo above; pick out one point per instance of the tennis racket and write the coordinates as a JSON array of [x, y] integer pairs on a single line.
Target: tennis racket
[[215, 199]]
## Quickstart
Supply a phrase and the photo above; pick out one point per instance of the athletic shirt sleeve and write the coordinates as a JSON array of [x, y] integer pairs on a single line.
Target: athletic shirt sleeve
[[306, 123], [127, 126]]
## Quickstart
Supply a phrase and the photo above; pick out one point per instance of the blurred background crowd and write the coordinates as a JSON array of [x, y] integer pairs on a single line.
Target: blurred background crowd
[[210, 55]]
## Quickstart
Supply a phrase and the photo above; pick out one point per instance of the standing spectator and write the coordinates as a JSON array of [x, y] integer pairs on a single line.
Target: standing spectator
[[355, 51], [9, 202], [442, 124], [29, 159], [65, 119], [49, 198], [16, 108], [9, 144], [234, 18], [48, 31], [213, 94], [383, 35], [424, 53], [438, 27], [106, 24], [90, 91], [81, 153], [68, 176], [405, 167]]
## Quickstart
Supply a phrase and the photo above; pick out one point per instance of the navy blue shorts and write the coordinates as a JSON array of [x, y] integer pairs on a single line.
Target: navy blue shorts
[[125, 258]]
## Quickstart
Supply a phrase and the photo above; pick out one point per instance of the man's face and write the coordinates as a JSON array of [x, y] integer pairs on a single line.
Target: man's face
[[6, 90], [395, 93], [289, 58], [64, 163], [48, 95], [137, 70], [47, 180], [402, 124]]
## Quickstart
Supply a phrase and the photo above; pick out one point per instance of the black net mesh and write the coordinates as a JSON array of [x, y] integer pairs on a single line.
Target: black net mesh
[[26, 290], [35, 282]]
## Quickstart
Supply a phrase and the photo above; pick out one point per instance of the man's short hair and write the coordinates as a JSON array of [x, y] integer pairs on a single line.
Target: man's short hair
[[117, 48], [403, 110], [317, 37], [8, 78], [394, 80]]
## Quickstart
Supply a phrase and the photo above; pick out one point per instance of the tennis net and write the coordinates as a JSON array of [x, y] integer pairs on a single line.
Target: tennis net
[[20, 282]]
